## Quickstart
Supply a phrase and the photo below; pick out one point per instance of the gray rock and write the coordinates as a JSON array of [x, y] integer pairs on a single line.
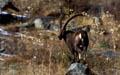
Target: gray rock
[[7, 17], [1, 48], [78, 69], [3, 32], [3, 3], [54, 27], [85, 28], [41, 22], [96, 19], [74, 23], [109, 54]]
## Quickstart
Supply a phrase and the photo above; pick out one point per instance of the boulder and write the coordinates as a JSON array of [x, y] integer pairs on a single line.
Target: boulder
[[4, 4], [7, 17], [78, 69], [85, 28], [41, 22]]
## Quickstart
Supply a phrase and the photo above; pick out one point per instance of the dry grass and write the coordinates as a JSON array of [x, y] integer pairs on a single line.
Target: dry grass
[[39, 52], [41, 55]]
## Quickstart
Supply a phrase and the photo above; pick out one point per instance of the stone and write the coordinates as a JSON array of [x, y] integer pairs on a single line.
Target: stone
[[78, 69], [7, 17], [85, 28], [54, 27], [3, 32], [3, 3], [42, 22], [38, 23]]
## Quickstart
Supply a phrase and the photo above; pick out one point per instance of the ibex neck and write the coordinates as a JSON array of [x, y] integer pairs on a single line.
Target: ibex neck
[[68, 34]]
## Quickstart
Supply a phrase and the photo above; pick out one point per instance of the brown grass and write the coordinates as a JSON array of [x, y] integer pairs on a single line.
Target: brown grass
[[41, 53]]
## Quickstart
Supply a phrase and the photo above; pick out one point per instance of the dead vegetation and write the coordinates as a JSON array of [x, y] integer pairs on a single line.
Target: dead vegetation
[[39, 52]]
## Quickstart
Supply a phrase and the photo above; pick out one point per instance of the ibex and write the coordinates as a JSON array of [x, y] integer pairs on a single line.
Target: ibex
[[77, 41]]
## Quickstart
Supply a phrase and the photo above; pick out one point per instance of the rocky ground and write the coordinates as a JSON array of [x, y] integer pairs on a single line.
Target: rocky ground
[[27, 49]]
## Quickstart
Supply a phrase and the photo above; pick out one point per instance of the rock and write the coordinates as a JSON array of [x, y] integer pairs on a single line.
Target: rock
[[54, 27], [74, 23], [86, 28], [2, 50], [41, 22], [4, 4], [7, 17], [3, 32], [78, 69], [95, 19], [109, 54]]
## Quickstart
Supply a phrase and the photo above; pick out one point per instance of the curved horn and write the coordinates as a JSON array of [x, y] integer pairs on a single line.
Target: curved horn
[[60, 21], [64, 28]]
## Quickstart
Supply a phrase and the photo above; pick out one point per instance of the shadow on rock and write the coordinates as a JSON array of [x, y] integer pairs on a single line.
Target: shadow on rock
[[6, 17], [79, 69]]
